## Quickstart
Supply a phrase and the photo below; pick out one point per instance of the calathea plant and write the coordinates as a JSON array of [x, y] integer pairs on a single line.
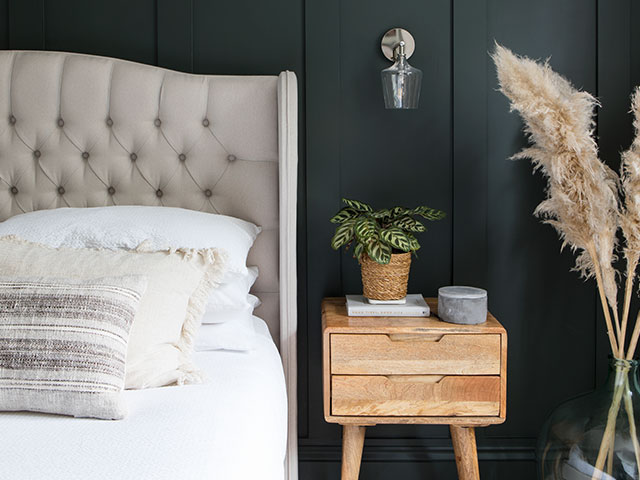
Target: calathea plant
[[382, 232]]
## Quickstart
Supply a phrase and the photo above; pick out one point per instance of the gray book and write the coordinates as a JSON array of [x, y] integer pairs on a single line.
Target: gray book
[[415, 306]]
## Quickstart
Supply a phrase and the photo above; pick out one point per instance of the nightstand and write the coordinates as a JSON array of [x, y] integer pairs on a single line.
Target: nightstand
[[399, 370]]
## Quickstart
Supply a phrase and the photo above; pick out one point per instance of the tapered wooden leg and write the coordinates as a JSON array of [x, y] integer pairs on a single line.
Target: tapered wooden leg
[[352, 443], [464, 446]]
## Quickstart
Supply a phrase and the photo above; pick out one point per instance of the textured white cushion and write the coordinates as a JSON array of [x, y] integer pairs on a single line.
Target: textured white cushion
[[63, 343], [179, 284]]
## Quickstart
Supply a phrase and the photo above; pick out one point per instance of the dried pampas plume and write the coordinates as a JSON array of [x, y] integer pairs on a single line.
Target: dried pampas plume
[[583, 201], [582, 192]]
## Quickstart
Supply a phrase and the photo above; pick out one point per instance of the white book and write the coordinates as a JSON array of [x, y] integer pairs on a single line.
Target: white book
[[415, 306]]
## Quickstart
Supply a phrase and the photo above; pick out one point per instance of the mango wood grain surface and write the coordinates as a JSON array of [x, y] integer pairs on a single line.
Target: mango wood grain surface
[[415, 395], [416, 354]]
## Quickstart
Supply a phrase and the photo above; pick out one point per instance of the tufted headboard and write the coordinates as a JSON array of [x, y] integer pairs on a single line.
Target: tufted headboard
[[86, 131]]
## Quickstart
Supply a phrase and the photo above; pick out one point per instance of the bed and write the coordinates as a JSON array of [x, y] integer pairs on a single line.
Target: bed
[[86, 131]]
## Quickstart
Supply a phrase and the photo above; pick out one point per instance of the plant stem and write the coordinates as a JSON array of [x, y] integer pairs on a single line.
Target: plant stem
[[632, 263], [610, 430], [628, 405], [603, 301], [634, 339]]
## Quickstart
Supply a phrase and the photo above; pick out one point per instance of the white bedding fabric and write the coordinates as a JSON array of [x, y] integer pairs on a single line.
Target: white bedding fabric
[[231, 428]]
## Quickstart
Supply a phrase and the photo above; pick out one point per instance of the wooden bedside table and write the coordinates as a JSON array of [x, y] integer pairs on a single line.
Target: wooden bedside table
[[402, 370]]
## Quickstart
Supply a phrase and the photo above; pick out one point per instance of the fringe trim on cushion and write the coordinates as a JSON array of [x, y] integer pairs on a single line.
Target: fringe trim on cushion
[[215, 263]]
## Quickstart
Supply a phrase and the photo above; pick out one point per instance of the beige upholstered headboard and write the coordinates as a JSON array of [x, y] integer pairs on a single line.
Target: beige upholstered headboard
[[85, 131]]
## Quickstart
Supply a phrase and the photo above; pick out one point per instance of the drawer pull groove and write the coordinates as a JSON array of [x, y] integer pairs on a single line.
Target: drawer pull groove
[[413, 337], [433, 379]]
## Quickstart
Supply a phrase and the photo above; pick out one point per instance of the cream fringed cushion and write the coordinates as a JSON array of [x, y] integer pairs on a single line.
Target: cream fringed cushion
[[179, 283], [63, 344]]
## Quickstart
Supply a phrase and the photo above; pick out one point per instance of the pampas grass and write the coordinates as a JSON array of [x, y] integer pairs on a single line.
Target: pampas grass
[[582, 198], [586, 201]]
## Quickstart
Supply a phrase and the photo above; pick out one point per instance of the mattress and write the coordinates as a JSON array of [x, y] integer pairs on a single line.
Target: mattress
[[232, 427]]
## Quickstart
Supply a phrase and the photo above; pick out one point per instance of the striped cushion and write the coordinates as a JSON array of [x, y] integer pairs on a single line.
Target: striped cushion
[[63, 344]]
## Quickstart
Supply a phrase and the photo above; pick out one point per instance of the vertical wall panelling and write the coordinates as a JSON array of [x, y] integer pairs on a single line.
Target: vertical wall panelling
[[99, 27], [175, 34], [4, 23], [469, 139], [247, 36], [26, 24], [323, 46], [548, 311], [614, 88]]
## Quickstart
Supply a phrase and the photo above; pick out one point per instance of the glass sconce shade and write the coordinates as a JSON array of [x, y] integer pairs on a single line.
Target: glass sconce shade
[[401, 84]]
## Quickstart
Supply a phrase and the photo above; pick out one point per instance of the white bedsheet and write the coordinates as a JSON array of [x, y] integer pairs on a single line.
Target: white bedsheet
[[232, 427]]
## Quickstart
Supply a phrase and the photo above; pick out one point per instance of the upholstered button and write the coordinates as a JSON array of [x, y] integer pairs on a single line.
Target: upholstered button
[[61, 190], [111, 190], [208, 192], [14, 190], [109, 122], [159, 193], [157, 122], [85, 155], [12, 120], [60, 122], [231, 158], [182, 157], [205, 122], [133, 157], [36, 153]]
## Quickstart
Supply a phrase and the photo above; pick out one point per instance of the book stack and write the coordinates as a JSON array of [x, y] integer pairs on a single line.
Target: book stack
[[414, 306]]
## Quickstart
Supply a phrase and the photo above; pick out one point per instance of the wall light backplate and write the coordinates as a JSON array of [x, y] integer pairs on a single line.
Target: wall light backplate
[[392, 39]]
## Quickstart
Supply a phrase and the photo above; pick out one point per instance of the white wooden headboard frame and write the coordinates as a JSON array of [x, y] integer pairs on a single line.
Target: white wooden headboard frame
[[83, 131]]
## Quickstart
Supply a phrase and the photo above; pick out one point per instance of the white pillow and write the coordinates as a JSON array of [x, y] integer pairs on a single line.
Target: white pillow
[[232, 299], [126, 227], [239, 335]]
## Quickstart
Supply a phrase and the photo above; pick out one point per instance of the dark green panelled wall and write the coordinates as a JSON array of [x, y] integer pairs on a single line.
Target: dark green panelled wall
[[450, 154]]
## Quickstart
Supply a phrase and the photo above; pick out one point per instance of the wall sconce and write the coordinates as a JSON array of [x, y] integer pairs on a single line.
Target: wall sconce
[[400, 82]]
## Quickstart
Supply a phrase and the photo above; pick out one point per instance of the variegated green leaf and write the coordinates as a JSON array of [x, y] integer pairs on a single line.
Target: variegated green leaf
[[356, 205], [429, 213], [385, 212], [413, 242], [396, 238], [398, 211], [344, 215], [357, 251], [365, 228], [343, 235], [409, 224], [379, 252]]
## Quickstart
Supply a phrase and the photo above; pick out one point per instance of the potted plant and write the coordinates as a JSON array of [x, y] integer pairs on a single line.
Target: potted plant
[[383, 241]]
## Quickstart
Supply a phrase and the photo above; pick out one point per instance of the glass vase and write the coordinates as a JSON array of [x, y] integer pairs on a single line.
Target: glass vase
[[594, 436]]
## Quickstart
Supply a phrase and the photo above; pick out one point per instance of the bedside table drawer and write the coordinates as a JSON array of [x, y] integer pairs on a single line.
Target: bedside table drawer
[[421, 354], [414, 395]]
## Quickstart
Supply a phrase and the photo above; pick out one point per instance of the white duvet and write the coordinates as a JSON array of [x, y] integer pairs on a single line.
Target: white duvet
[[231, 428]]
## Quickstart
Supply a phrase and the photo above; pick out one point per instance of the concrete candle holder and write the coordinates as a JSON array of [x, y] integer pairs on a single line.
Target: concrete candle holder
[[463, 305]]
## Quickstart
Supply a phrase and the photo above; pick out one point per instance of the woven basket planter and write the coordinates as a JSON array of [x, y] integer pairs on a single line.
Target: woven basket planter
[[385, 282]]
